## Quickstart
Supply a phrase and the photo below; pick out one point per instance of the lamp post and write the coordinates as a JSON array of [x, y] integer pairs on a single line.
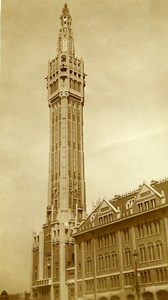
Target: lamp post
[[136, 282]]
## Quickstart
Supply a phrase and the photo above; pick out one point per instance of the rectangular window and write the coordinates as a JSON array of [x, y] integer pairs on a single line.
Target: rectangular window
[[126, 234], [157, 226], [140, 207], [140, 230], [153, 203], [88, 245], [112, 238], [146, 204]]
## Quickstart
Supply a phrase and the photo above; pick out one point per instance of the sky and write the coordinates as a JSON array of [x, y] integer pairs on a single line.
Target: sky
[[124, 46]]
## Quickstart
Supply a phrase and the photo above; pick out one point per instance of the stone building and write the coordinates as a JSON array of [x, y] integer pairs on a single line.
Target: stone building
[[121, 248], [120, 251]]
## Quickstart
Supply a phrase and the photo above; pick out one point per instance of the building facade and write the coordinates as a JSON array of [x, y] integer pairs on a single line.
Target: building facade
[[121, 248], [120, 251], [53, 249]]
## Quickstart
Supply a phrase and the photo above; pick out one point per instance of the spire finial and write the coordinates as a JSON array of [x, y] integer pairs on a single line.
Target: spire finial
[[65, 10]]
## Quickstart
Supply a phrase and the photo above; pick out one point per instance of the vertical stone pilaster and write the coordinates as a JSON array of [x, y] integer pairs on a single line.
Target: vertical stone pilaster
[[95, 266], [76, 275], [121, 260], [63, 285]]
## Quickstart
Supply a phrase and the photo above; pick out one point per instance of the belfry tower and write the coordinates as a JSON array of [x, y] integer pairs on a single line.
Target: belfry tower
[[53, 269]]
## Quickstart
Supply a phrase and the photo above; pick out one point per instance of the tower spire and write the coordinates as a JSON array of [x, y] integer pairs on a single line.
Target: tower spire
[[65, 39], [66, 182], [65, 10], [66, 82]]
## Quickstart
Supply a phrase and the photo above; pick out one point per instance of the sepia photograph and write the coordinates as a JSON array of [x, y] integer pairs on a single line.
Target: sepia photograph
[[84, 150]]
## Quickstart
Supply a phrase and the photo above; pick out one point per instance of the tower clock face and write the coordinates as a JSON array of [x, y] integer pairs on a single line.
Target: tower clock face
[[64, 44]]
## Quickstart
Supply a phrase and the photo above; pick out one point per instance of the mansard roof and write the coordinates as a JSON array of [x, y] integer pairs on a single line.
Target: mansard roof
[[105, 210], [144, 199], [127, 203]]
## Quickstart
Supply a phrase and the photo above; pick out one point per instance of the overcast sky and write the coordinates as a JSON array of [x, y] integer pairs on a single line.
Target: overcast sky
[[124, 45]]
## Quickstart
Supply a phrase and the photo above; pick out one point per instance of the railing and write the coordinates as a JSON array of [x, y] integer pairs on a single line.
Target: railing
[[44, 282], [70, 272]]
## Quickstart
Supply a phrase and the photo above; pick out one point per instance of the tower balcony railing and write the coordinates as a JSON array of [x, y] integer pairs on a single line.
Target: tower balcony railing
[[70, 272], [44, 282]]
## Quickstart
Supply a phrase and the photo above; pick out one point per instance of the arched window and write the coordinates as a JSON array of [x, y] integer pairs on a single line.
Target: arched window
[[140, 230], [151, 255], [160, 275], [142, 253], [146, 277], [148, 227], [127, 257], [157, 226], [113, 260], [165, 274], [159, 250], [100, 262], [128, 279], [106, 240], [112, 238], [88, 265], [107, 261], [100, 242]]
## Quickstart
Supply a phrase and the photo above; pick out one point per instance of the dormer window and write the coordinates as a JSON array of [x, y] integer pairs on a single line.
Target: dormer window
[[153, 203], [140, 206], [146, 204]]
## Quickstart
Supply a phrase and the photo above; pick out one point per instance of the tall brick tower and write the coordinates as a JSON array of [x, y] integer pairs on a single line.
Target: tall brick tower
[[53, 250]]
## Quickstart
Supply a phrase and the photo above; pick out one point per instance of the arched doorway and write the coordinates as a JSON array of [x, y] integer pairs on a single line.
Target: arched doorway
[[130, 297], [103, 298], [115, 297], [147, 296], [4, 295], [162, 295]]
